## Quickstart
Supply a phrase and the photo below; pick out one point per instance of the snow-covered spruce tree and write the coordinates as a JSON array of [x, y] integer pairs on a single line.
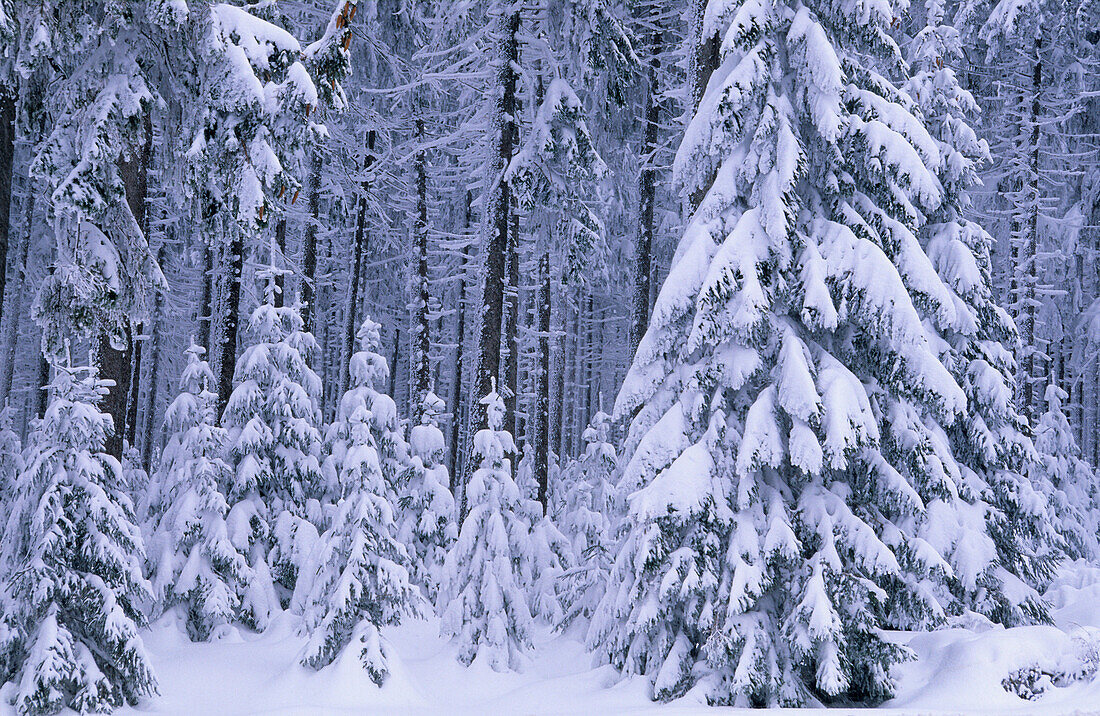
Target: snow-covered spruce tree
[[483, 603], [587, 508], [368, 374], [1075, 502], [70, 610], [274, 445], [426, 517], [191, 558], [991, 446], [779, 526], [356, 579]]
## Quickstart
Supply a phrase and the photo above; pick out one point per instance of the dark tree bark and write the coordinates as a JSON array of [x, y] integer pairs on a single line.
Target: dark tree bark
[[15, 317], [206, 300], [135, 388], [421, 357], [541, 415], [703, 61], [498, 208], [359, 251], [230, 265], [309, 243], [280, 279], [647, 191], [115, 363]]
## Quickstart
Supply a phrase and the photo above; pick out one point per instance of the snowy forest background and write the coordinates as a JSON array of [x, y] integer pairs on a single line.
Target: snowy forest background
[[726, 334]]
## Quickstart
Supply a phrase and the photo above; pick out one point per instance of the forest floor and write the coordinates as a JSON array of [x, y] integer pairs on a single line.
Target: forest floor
[[956, 671]]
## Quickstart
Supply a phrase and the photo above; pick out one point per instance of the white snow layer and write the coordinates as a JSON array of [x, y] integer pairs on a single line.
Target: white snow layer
[[956, 670]]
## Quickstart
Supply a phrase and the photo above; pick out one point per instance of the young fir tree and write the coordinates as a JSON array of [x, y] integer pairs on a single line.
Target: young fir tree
[[485, 608], [780, 525], [356, 579], [1075, 502], [426, 518], [191, 558], [587, 507], [274, 445], [70, 606], [368, 373]]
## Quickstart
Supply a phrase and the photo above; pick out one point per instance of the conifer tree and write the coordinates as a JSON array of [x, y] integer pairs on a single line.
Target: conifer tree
[[191, 558], [71, 607], [484, 608], [790, 404], [356, 579], [426, 517], [587, 507], [11, 459], [274, 446]]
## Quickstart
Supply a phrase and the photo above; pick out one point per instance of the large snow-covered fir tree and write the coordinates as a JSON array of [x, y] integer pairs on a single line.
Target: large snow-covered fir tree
[[274, 446], [73, 566], [356, 579], [799, 486], [191, 558], [483, 604]]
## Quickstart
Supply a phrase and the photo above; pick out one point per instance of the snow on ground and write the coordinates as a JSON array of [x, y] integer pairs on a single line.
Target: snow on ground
[[956, 671]]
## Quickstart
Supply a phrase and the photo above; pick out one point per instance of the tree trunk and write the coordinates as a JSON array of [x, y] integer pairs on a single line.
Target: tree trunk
[[15, 316], [541, 412], [421, 344], [511, 334], [7, 163], [703, 61], [351, 318], [115, 363], [135, 388], [455, 407], [230, 265], [497, 207], [207, 299], [647, 191], [149, 411], [280, 279], [309, 243]]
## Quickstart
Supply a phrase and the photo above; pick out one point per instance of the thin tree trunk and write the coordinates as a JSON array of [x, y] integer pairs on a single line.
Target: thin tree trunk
[[7, 163], [309, 243], [207, 298], [541, 415], [280, 279], [15, 316], [135, 388], [231, 265], [511, 333], [421, 360], [455, 407], [149, 410], [703, 61], [351, 317]]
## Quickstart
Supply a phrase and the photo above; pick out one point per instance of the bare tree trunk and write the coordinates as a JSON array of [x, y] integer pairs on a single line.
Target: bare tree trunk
[[309, 243], [647, 190], [351, 317], [421, 358], [511, 333], [703, 62], [231, 266], [455, 407], [207, 299], [15, 316], [497, 206], [7, 163], [149, 410], [115, 363], [541, 415], [280, 279], [135, 388]]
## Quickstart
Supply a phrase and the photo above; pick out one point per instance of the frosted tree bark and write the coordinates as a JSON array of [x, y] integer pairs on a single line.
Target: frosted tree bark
[[7, 164], [309, 244], [541, 416], [421, 339], [647, 192]]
